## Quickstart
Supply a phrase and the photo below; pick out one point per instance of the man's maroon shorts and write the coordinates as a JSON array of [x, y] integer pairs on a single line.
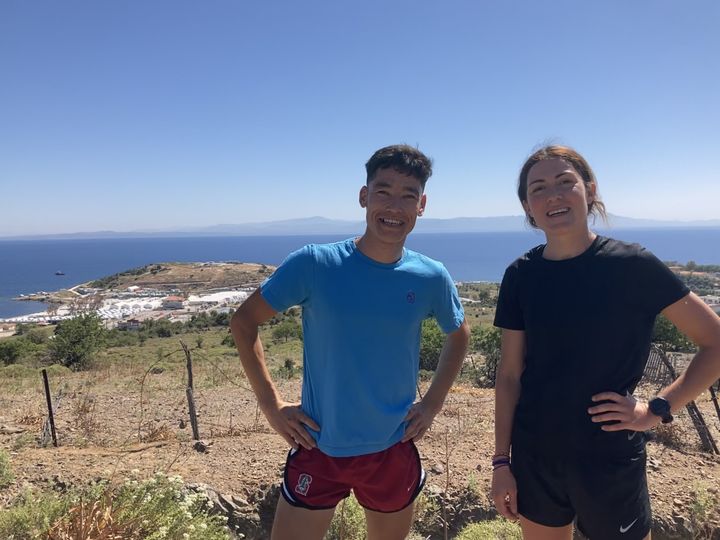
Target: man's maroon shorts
[[386, 481]]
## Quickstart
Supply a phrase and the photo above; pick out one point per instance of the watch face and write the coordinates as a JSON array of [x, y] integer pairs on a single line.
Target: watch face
[[660, 407]]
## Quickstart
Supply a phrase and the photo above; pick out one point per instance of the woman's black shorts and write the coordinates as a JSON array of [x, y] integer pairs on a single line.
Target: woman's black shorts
[[607, 495]]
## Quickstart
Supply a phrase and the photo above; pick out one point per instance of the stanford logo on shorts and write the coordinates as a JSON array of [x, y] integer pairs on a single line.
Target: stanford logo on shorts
[[303, 485]]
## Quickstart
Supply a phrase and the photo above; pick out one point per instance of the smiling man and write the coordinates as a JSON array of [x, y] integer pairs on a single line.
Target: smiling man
[[364, 300]]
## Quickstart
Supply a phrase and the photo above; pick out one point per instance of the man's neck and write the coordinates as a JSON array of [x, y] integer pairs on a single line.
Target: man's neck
[[379, 251]]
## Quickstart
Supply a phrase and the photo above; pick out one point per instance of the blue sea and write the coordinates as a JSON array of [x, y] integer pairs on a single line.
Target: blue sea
[[29, 266]]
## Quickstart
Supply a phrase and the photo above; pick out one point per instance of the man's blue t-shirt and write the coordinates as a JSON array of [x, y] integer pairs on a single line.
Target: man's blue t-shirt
[[361, 333]]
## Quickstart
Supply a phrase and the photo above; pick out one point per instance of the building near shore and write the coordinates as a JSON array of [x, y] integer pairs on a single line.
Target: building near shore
[[173, 302]]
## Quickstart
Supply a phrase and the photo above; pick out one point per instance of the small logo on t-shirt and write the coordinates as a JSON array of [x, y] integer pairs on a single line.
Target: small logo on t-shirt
[[410, 297], [303, 484]]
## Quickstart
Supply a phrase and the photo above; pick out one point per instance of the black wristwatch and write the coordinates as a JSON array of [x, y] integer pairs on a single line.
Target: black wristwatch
[[660, 406]]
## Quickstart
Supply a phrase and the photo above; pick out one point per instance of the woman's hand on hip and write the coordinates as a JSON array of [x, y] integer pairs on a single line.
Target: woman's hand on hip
[[626, 411]]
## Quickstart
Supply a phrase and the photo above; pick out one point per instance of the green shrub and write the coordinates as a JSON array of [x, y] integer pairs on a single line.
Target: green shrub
[[704, 505], [666, 334], [348, 523], [427, 520], [287, 371], [161, 510], [38, 336], [486, 341], [228, 341], [17, 371], [31, 515], [122, 338], [13, 349], [287, 329], [432, 340], [77, 339], [6, 475], [499, 529], [156, 509], [56, 370]]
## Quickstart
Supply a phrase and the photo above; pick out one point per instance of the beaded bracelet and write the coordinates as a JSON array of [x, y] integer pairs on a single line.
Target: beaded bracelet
[[500, 460]]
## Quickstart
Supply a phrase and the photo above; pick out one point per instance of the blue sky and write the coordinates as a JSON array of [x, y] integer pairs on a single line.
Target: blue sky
[[160, 114]]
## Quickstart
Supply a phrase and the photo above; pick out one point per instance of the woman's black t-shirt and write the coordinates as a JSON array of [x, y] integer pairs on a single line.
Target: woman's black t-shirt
[[588, 323]]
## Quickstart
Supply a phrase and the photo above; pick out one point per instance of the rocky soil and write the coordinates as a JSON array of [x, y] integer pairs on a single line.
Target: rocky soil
[[116, 423]]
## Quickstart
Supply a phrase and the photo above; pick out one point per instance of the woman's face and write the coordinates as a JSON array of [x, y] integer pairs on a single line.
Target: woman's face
[[557, 198]]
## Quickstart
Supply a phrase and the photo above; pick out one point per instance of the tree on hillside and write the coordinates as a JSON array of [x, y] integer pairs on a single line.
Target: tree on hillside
[[29, 345], [289, 328], [486, 341], [11, 351], [432, 340], [669, 337], [77, 339]]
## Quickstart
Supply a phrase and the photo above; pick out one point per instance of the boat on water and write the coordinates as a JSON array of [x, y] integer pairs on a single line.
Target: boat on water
[[59, 273]]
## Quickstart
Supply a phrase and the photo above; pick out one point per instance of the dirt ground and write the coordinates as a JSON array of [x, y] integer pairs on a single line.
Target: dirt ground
[[115, 423]]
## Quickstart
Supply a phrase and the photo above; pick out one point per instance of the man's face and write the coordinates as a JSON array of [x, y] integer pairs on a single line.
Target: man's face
[[393, 201]]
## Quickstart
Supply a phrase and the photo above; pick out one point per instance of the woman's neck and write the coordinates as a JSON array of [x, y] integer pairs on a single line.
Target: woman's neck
[[567, 246]]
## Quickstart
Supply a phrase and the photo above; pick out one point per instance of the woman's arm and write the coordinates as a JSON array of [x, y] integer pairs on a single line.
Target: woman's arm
[[699, 323], [507, 392]]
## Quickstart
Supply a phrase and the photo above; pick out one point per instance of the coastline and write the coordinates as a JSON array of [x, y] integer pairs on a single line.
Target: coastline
[[142, 306], [173, 291], [31, 266]]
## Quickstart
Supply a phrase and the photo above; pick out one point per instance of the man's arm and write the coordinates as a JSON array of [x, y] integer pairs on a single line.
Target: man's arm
[[421, 414], [699, 323], [285, 418]]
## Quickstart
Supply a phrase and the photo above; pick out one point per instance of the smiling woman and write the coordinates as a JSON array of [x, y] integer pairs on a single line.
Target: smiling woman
[[577, 315], [557, 168]]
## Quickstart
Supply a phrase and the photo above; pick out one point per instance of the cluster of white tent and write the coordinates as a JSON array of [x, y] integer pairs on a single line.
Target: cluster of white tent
[[121, 308]]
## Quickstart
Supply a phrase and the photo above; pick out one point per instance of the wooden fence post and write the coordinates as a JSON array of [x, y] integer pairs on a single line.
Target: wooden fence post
[[189, 394], [706, 439], [49, 406], [713, 397]]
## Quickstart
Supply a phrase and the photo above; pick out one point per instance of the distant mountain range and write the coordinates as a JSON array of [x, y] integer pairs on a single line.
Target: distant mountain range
[[320, 225]]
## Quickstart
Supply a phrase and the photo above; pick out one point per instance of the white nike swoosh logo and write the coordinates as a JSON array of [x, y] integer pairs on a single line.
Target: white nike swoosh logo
[[623, 530], [631, 435]]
